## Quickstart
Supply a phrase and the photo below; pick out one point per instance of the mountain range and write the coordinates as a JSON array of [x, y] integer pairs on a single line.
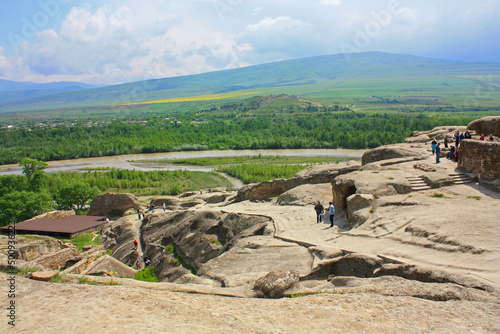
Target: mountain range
[[308, 75]]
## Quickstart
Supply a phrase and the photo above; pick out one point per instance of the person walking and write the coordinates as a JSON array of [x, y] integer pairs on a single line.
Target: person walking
[[319, 210], [331, 212], [438, 153]]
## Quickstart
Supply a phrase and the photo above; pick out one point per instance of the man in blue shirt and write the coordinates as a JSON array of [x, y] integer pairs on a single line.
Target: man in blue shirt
[[331, 211]]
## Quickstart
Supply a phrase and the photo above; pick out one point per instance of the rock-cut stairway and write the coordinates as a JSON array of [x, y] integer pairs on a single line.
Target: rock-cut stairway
[[417, 182], [460, 178]]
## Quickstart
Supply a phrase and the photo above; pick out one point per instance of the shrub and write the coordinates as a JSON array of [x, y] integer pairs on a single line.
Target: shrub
[[147, 274]]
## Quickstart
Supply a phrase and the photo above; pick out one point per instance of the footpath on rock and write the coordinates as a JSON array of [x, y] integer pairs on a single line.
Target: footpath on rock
[[415, 247]]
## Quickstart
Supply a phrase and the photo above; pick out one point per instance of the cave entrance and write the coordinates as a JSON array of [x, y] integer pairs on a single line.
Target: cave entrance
[[351, 190]]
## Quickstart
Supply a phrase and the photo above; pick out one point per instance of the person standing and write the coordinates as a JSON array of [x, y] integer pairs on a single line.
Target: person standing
[[445, 141], [438, 153], [433, 145], [319, 210], [331, 212], [135, 244], [164, 206]]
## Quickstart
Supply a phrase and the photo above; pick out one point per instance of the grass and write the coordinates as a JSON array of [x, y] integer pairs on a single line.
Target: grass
[[264, 159], [303, 294], [147, 274], [86, 280], [86, 238], [214, 241], [475, 197], [440, 195], [58, 278], [170, 249], [208, 97], [250, 173]]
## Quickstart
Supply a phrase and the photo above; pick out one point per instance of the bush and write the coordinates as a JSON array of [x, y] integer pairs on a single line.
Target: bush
[[147, 274]]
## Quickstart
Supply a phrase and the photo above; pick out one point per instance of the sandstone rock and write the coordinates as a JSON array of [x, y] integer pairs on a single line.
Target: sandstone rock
[[424, 274], [58, 259], [198, 236], [486, 125], [356, 264], [438, 132], [112, 204], [438, 180], [307, 194], [43, 276], [33, 251], [171, 203], [355, 205], [274, 284], [325, 173], [111, 266], [119, 236], [387, 152], [253, 257], [218, 198], [191, 204], [367, 182]]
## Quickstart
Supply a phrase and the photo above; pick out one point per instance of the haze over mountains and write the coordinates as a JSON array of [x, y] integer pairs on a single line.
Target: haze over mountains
[[306, 75]]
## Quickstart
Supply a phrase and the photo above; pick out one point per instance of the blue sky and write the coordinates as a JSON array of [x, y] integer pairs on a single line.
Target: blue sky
[[108, 41]]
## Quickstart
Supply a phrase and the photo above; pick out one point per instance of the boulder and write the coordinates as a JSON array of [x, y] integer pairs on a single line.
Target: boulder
[[388, 152], [113, 204], [486, 125], [43, 276], [110, 266], [217, 198], [307, 194], [275, 283], [438, 180], [367, 182], [326, 173], [355, 205]]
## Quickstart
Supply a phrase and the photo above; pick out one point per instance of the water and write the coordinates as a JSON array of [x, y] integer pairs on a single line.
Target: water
[[127, 161]]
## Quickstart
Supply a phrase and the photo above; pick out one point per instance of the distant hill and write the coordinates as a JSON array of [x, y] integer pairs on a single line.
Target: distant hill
[[307, 75], [13, 91]]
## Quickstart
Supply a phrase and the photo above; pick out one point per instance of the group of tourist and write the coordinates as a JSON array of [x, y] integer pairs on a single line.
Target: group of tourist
[[319, 212]]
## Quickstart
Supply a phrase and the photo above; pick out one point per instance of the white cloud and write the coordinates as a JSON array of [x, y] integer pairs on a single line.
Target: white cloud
[[280, 23], [331, 2]]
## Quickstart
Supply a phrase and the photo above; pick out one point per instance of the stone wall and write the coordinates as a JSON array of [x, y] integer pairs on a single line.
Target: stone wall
[[482, 157]]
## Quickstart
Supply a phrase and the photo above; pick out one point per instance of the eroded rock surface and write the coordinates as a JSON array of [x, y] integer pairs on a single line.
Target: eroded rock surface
[[113, 204]]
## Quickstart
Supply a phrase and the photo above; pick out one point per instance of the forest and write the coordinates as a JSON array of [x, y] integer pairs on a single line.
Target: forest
[[216, 131]]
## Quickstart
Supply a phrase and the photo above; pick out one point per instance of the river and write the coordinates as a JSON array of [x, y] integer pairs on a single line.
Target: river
[[130, 161]]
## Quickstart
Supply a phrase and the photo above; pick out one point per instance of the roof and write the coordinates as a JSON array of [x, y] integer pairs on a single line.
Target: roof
[[67, 226]]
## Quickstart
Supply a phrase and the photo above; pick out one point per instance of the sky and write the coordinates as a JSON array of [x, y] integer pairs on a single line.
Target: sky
[[116, 41]]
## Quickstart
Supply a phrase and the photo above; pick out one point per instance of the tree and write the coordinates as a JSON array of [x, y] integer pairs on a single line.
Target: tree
[[33, 169], [75, 196], [18, 206]]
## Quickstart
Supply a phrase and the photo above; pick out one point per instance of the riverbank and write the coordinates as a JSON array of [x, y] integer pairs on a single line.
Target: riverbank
[[130, 161]]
